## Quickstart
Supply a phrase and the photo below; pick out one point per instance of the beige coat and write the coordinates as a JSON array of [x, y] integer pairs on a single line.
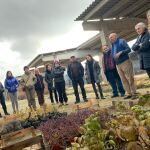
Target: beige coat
[[28, 80]]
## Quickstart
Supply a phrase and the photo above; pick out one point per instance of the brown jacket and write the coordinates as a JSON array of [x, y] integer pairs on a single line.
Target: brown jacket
[[28, 80]]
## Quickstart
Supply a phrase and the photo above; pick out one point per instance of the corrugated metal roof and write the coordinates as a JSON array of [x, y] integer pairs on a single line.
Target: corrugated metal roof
[[131, 8]]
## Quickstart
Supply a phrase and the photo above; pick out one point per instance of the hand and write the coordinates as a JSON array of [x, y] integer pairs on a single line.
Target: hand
[[118, 54]]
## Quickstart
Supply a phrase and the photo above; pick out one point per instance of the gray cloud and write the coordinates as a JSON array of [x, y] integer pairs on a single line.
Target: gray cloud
[[25, 23]]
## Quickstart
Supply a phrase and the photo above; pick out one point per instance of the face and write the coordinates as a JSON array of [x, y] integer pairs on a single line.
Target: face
[[113, 37], [57, 64], [139, 30], [88, 58], [49, 68], [9, 74], [36, 71], [105, 49], [26, 70], [73, 59]]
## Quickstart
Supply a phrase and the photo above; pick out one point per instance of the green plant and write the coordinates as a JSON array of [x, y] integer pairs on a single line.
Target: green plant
[[93, 136]]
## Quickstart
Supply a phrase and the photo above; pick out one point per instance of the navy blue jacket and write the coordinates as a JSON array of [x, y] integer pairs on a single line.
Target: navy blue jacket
[[11, 84], [39, 84], [59, 74], [142, 47], [49, 76], [118, 46]]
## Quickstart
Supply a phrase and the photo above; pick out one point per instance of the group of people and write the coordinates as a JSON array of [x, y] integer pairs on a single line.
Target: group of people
[[116, 64]]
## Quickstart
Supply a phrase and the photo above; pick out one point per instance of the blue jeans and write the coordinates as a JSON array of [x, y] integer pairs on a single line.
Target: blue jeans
[[115, 82]]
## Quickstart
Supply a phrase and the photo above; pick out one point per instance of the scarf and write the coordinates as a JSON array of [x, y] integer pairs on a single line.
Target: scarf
[[108, 62]]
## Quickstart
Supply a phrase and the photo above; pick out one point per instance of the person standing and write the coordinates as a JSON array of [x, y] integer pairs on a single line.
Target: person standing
[[142, 46], [49, 80], [120, 51], [76, 72], [111, 73], [2, 100], [28, 81], [12, 84], [92, 74], [59, 81], [39, 87]]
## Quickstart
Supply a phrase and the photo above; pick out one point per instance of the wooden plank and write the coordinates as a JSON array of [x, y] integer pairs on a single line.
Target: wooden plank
[[25, 143]]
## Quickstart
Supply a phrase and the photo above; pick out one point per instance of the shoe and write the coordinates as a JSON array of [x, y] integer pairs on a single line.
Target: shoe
[[128, 97], [61, 104], [85, 100], [97, 97], [134, 97], [103, 98], [7, 113], [76, 102], [114, 96], [66, 104]]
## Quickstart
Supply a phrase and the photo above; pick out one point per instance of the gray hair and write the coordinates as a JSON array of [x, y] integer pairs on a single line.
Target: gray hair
[[140, 24]]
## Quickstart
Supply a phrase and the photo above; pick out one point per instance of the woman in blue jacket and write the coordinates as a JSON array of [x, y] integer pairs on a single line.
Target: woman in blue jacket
[[12, 84]]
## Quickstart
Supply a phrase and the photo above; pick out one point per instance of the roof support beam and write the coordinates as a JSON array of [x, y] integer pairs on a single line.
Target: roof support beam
[[98, 7], [115, 8], [126, 24]]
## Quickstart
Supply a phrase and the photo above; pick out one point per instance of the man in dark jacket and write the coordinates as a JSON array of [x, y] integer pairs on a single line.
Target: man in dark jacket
[[76, 72], [2, 100], [120, 51], [111, 72], [60, 84], [142, 46]]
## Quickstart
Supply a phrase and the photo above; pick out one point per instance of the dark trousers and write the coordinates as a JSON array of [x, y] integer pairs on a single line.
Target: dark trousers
[[61, 89], [51, 91], [148, 72], [40, 95], [115, 82], [75, 84], [2, 101], [99, 88]]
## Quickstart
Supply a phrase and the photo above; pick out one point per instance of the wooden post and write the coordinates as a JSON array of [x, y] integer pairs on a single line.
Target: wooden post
[[148, 18]]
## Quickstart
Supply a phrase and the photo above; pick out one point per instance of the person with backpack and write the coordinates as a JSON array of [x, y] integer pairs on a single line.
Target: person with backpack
[[12, 84]]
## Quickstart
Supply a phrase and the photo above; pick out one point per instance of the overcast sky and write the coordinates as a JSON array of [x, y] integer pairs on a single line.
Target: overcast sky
[[31, 27]]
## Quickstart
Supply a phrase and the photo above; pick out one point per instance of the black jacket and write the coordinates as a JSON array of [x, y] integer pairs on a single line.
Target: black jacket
[[39, 84], [49, 76], [142, 47], [58, 73], [1, 89], [80, 69]]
